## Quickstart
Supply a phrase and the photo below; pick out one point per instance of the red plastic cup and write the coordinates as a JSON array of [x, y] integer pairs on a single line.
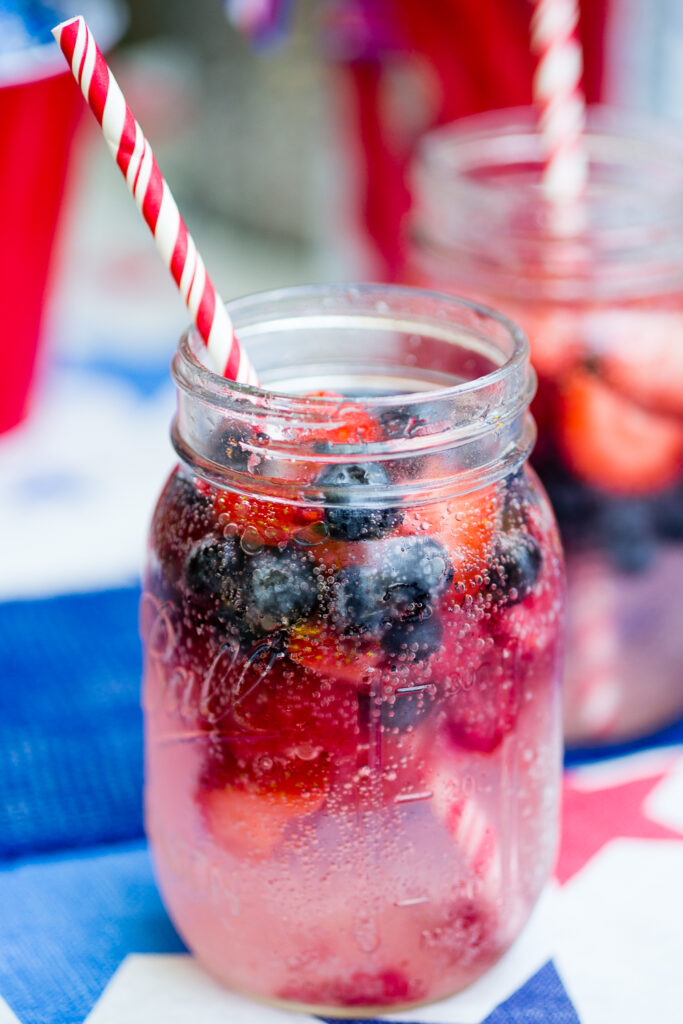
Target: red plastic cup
[[39, 108]]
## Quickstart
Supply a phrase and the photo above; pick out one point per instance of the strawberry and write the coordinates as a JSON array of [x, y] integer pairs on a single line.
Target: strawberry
[[480, 685], [347, 423], [482, 712], [264, 522], [361, 988], [249, 812], [555, 335], [322, 650], [613, 444], [265, 703], [465, 526], [640, 355]]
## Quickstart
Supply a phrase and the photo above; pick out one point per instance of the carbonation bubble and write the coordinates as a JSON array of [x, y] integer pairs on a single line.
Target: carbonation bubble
[[251, 541], [311, 535]]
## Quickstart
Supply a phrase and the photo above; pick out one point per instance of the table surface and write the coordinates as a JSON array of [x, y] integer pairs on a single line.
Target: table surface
[[83, 933]]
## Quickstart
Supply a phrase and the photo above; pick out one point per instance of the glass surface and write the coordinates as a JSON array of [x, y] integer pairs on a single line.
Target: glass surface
[[603, 309], [352, 620]]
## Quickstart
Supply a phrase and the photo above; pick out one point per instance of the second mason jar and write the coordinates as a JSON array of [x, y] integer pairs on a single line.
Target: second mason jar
[[352, 620], [603, 308]]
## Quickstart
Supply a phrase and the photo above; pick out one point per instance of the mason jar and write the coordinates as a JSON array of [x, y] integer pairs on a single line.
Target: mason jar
[[352, 620], [602, 305]]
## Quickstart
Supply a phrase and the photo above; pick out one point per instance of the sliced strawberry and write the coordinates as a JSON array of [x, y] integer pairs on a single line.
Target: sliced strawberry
[[248, 816], [640, 355], [264, 522], [479, 684], [615, 445], [555, 335], [331, 656], [465, 525], [481, 713], [306, 712], [467, 931], [348, 423], [266, 703]]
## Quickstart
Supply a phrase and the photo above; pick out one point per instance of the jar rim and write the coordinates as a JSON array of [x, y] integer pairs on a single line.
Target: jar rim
[[190, 372], [479, 205], [450, 150], [380, 330]]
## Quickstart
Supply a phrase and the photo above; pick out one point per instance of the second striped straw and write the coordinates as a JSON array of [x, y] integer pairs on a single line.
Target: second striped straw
[[558, 95], [135, 158]]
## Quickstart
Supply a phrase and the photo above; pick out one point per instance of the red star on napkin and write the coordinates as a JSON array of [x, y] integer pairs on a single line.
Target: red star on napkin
[[591, 817]]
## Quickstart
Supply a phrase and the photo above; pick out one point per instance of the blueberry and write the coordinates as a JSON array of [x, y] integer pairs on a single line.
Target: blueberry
[[515, 566], [354, 520], [414, 570], [575, 505], [357, 600], [628, 533], [408, 574], [280, 589], [516, 501], [413, 640], [401, 421], [668, 515], [212, 566], [229, 446]]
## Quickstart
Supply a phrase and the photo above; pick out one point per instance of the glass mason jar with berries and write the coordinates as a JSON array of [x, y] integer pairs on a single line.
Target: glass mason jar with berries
[[352, 619], [603, 310]]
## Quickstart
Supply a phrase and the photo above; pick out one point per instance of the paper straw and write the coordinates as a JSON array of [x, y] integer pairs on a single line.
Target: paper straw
[[134, 156], [562, 107]]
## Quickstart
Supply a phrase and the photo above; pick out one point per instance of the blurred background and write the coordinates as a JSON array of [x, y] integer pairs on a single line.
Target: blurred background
[[286, 131]]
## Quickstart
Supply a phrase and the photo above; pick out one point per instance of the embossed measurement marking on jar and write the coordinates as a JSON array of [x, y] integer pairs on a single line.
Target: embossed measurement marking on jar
[[225, 737], [411, 901], [411, 689], [366, 931], [405, 798]]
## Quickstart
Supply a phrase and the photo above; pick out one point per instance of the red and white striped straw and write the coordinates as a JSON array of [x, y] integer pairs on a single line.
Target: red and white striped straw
[[558, 95], [134, 156]]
